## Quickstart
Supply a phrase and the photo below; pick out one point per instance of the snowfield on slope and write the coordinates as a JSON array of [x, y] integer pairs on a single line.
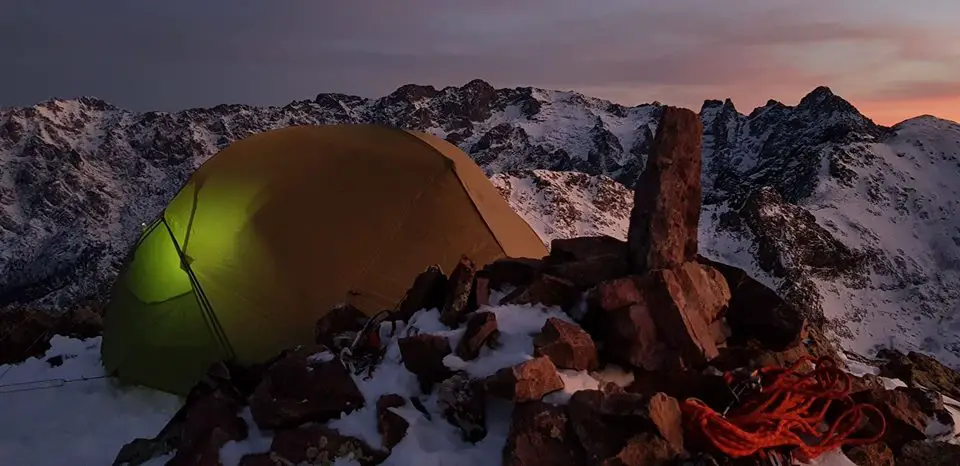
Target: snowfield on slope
[[904, 206]]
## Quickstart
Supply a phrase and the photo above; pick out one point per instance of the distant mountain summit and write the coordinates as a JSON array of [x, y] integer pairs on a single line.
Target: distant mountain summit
[[854, 219]]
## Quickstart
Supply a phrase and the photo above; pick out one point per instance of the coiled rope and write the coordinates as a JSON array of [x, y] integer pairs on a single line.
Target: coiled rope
[[791, 407]]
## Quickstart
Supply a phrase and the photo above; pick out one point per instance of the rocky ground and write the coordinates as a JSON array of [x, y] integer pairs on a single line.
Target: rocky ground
[[590, 356]]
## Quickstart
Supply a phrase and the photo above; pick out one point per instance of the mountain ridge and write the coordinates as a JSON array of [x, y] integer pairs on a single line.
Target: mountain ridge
[[801, 196]]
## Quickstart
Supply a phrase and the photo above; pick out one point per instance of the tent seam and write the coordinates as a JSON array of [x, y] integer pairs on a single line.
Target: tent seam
[[473, 201]]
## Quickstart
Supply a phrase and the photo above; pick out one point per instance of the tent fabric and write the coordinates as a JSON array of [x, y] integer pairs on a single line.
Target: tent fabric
[[282, 226]]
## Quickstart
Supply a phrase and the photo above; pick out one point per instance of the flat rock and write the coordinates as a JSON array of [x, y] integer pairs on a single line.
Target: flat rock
[[527, 381], [567, 345]]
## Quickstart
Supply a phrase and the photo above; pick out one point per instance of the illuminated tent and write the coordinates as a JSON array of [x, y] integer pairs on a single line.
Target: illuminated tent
[[280, 227]]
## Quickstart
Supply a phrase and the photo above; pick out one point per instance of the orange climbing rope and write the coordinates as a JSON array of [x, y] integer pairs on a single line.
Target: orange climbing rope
[[790, 410]]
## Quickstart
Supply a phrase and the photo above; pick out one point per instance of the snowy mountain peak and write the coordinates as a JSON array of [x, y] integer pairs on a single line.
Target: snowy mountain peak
[[784, 187]]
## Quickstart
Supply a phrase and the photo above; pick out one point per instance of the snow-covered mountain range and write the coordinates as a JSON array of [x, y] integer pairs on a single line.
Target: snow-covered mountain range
[[856, 220]]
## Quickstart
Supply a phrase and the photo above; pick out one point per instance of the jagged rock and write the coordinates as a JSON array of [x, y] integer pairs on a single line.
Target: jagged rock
[[757, 312], [463, 404], [308, 384], [874, 454], [207, 420], [567, 345], [547, 290], [625, 323], [257, 459], [511, 271], [666, 208], [616, 294], [620, 426], [457, 302], [480, 327], [682, 308], [316, 444], [343, 320], [527, 381], [391, 426], [920, 453], [907, 412], [540, 434], [919, 370], [423, 355], [428, 292]]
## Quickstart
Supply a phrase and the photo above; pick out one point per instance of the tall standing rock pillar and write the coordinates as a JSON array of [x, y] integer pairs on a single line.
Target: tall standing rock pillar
[[666, 209]]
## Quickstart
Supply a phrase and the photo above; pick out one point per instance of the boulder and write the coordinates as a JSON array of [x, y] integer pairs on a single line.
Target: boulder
[[457, 303], [309, 384], [391, 426], [428, 292], [546, 290], [527, 381], [423, 356], [480, 327], [540, 434], [666, 209], [463, 404], [756, 312], [567, 345]]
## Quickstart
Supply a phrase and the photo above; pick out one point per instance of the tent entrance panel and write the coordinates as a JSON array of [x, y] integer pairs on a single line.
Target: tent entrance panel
[[166, 345], [155, 332]]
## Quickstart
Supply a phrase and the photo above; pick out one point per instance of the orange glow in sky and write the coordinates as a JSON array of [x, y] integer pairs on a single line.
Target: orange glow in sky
[[890, 112]]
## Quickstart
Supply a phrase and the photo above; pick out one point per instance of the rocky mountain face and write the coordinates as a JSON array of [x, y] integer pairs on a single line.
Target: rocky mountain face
[[815, 200]]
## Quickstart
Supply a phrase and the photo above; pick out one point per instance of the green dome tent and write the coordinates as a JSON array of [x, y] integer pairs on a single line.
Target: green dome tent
[[282, 226]]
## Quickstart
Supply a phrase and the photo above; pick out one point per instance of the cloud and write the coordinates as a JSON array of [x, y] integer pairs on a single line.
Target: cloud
[[178, 54]]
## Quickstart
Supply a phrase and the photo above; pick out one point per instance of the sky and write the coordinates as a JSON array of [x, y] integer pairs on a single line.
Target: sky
[[892, 59]]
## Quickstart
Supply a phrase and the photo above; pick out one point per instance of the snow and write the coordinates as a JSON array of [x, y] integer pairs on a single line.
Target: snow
[[902, 205], [52, 421], [567, 204], [90, 421]]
